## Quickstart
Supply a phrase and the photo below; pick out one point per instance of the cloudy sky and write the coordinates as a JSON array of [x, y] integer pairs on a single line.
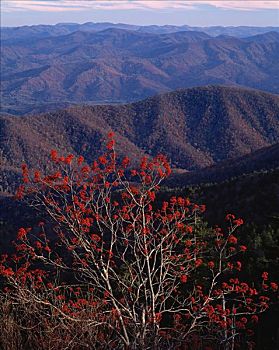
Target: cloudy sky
[[196, 12]]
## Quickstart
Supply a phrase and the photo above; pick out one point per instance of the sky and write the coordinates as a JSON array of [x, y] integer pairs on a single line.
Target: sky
[[141, 12]]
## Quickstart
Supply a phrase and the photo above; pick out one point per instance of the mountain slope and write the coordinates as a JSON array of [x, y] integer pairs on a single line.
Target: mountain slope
[[262, 160], [117, 65], [194, 127]]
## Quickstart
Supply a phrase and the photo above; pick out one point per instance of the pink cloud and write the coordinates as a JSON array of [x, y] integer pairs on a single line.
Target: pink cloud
[[241, 4], [80, 5]]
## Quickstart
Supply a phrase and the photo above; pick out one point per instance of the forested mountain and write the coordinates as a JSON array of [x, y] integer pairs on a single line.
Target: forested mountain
[[194, 128]]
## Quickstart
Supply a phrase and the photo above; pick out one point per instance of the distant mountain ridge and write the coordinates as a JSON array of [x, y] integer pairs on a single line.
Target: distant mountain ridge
[[194, 128], [41, 31], [119, 65]]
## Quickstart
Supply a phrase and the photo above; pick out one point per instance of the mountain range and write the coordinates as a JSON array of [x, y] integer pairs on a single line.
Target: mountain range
[[195, 128], [42, 31], [57, 68]]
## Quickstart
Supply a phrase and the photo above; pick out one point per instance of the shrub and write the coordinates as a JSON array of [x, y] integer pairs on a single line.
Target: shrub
[[115, 269]]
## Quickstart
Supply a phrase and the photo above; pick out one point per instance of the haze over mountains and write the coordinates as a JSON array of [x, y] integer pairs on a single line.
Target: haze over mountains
[[194, 128], [47, 67], [25, 32]]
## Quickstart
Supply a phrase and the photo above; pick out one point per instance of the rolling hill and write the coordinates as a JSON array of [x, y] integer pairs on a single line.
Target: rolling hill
[[195, 128]]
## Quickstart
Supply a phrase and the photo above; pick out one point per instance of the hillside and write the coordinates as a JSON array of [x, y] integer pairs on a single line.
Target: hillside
[[265, 159], [120, 65], [195, 128]]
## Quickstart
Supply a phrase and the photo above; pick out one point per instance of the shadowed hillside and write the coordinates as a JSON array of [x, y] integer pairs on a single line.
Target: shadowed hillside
[[266, 158]]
